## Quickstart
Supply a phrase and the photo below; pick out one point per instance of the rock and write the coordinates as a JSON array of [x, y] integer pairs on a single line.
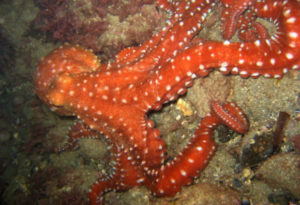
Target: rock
[[256, 147], [282, 171], [202, 194], [4, 136], [93, 148]]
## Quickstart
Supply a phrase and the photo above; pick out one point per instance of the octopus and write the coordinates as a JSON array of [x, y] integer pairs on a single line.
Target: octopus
[[114, 99]]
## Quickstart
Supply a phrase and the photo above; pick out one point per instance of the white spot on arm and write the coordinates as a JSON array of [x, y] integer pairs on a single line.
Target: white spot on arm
[[183, 172], [241, 61], [226, 43], [287, 12], [172, 38], [291, 20], [259, 63], [272, 61], [289, 56], [257, 43], [293, 35]]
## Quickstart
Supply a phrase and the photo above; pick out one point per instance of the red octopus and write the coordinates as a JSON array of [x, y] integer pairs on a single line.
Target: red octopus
[[113, 99]]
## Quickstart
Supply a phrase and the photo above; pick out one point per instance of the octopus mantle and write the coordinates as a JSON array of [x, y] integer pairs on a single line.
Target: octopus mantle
[[113, 99]]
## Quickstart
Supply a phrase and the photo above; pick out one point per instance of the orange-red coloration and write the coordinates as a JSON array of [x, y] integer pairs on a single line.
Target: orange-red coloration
[[113, 99]]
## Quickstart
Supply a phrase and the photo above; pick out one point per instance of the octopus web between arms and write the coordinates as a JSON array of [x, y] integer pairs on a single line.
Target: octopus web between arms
[[113, 99]]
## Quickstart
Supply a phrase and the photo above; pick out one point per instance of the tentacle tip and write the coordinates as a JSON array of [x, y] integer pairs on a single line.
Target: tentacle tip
[[232, 116]]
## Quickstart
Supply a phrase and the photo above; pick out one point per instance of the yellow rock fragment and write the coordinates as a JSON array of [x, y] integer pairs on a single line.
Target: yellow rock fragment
[[184, 107]]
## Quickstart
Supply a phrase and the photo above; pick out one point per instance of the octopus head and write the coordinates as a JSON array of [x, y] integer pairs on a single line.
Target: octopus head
[[55, 74]]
